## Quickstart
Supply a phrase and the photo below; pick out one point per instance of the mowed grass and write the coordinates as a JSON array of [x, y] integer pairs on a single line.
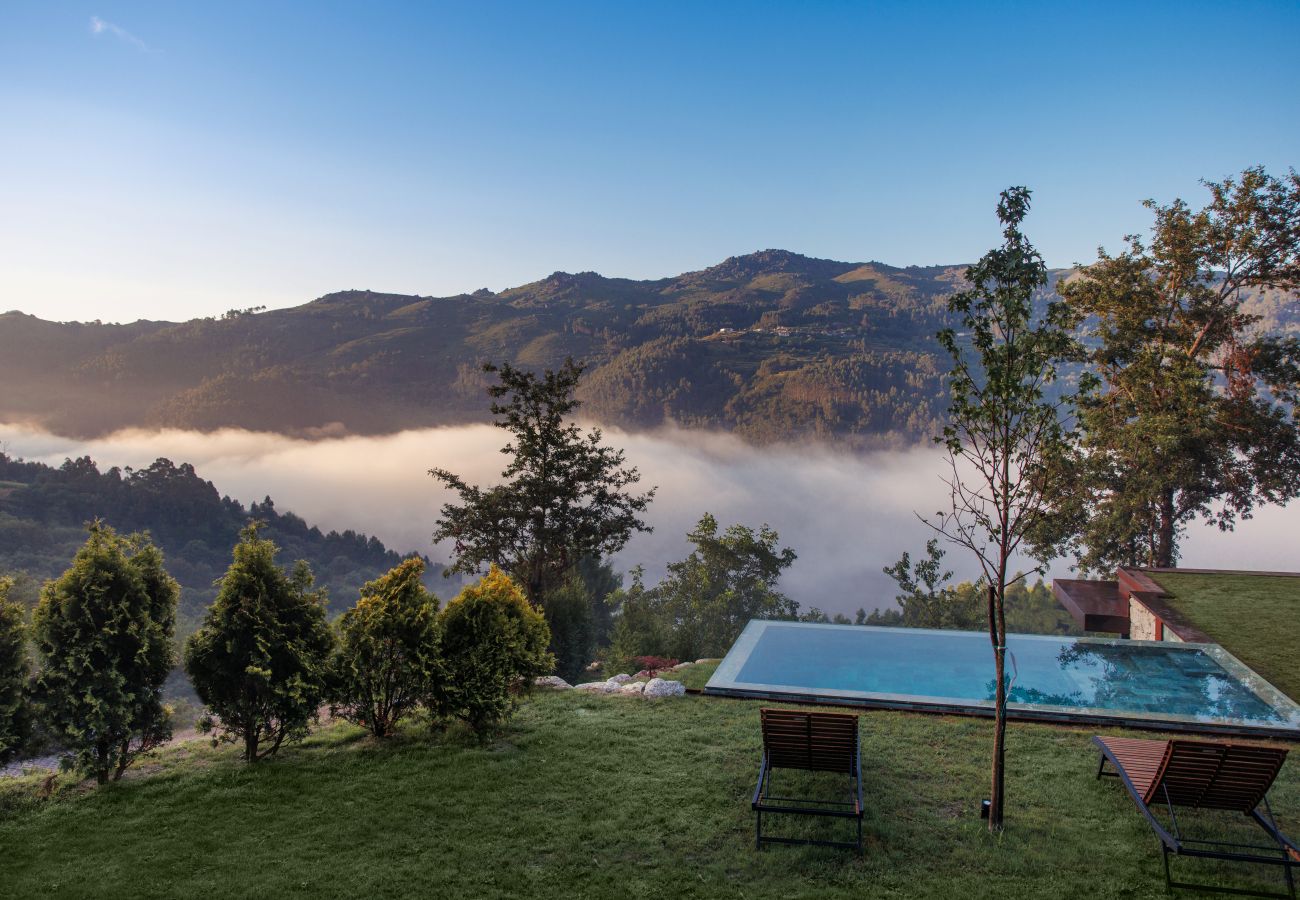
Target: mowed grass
[[592, 796], [1255, 617]]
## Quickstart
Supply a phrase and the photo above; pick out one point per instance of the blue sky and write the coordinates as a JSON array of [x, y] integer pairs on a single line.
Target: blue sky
[[168, 160]]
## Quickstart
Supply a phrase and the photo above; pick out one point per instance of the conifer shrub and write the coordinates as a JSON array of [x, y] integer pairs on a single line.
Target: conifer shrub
[[493, 644], [568, 616], [103, 632], [386, 656], [15, 713], [260, 660]]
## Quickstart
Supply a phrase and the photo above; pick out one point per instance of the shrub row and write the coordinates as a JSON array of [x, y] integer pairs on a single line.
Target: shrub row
[[264, 661]]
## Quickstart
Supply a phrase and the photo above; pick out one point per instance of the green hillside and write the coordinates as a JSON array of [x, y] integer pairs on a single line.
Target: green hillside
[[43, 512]]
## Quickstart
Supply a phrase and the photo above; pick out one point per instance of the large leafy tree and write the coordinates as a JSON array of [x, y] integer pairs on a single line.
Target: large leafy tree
[[563, 496], [15, 714], [387, 653], [259, 661], [1194, 416], [1005, 426], [104, 632]]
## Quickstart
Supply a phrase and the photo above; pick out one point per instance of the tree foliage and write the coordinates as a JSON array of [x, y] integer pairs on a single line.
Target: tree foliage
[[259, 661], [705, 601], [15, 711], [493, 642], [103, 633], [386, 655], [563, 495], [1003, 429], [1194, 413]]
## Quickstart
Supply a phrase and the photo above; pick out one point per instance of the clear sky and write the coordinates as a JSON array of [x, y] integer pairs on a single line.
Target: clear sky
[[169, 160]]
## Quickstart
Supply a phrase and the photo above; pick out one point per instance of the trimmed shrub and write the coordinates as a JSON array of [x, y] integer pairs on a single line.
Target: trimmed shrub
[[15, 715], [104, 634], [493, 643], [387, 652], [260, 660]]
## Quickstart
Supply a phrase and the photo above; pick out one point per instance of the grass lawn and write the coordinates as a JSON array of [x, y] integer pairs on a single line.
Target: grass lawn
[[591, 796], [1255, 617]]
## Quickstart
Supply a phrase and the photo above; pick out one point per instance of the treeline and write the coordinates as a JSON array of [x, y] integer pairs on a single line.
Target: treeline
[[264, 659], [43, 512]]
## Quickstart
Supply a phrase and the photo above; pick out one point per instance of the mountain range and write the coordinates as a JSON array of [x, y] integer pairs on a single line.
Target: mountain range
[[772, 346]]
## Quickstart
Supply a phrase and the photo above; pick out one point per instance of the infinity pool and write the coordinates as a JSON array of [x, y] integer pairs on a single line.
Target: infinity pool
[[1194, 687]]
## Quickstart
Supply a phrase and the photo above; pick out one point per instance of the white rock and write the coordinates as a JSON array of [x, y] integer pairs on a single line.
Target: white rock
[[658, 687], [595, 687], [621, 679], [634, 687], [701, 662], [552, 681]]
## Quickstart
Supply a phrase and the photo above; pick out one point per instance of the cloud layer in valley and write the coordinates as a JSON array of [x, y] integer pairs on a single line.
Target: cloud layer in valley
[[846, 515]]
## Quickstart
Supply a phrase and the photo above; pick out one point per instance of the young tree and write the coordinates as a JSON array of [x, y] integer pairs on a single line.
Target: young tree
[[104, 633], [492, 640], [564, 495], [729, 578], [926, 601], [15, 715], [1195, 414], [1003, 428], [387, 651], [260, 659]]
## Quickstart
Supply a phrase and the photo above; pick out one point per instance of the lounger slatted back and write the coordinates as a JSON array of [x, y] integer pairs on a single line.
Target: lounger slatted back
[[812, 741], [817, 741], [1214, 775]]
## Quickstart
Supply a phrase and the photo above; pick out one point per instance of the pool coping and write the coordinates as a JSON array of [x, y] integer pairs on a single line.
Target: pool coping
[[723, 683]]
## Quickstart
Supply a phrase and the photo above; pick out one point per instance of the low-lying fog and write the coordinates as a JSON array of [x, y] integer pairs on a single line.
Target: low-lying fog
[[846, 515]]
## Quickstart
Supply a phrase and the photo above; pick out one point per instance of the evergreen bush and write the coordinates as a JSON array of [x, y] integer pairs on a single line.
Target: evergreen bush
[[493, 644], [387, 652], [260, 660], [15, 714], [104, 632]]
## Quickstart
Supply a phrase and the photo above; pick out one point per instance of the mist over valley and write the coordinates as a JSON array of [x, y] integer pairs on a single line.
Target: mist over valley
[[847, 514]]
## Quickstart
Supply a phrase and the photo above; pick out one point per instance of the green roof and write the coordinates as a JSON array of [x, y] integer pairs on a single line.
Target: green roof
[[1256, 617]]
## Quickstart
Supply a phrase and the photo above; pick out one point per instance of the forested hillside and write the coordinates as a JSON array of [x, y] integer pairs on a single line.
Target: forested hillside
[[43, 512], [773, 345]]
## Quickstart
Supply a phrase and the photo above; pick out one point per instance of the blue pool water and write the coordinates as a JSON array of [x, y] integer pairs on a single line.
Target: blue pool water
[[1166, 684]]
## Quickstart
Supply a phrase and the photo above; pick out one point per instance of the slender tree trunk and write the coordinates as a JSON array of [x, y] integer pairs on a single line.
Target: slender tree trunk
[[998, 635], [1164, 550], [250, 744], [101, 762]]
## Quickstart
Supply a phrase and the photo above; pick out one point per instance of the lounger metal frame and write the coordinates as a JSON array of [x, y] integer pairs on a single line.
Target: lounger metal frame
[[1283, 851], [764, 801]]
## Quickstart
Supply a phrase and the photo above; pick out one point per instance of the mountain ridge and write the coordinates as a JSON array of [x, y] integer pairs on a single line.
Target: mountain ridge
[[772, 345]]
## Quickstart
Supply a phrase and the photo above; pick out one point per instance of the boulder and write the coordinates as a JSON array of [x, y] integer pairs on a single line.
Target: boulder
[[595, 687], [634, 687], [621, 679], [658, 687], [552, 681]]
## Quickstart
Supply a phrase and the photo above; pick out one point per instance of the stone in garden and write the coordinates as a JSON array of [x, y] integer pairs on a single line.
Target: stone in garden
[[635, 687], [595, 687], [658, 687], [621, 679], [552, 681]]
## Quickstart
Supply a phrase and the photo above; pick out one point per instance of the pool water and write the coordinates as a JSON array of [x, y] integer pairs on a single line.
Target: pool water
[[1162, 684]]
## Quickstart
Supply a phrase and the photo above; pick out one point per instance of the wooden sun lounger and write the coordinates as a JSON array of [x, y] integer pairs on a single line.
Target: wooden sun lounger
[[1204, 775], [815, 742]]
